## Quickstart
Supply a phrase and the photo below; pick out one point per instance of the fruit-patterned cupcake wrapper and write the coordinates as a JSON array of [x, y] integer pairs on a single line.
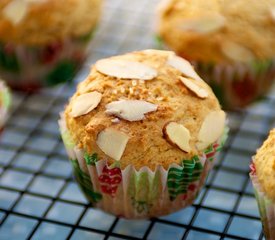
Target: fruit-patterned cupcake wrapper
[[5, 103], [266, 206], [235, 85], [239, 84], [142, 193], [30, 67]]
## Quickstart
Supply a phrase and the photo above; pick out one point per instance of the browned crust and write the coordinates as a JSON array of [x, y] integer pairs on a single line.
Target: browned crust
[[50, 21], [146, 145]]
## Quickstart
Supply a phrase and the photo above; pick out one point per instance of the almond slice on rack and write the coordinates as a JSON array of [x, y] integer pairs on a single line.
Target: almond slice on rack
[[204, 24], [211, 129], [131, 110], [15, 11], [178, 135], [112, 142], [191, 85], [125, 69], [183, 66], [236, 52], [85, 103]]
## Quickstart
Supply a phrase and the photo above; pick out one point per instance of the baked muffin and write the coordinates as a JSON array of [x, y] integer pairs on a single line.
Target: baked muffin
[[141, 132], [263, 179], [231, 44], [5, 103], [44, 42]]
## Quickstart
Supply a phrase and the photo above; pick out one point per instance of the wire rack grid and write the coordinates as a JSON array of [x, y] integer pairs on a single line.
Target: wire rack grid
[[40, 200]]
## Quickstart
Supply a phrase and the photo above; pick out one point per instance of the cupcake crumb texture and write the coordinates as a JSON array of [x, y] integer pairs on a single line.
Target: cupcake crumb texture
[[265, 165], [214, 30], [39, 22], [144, 108]]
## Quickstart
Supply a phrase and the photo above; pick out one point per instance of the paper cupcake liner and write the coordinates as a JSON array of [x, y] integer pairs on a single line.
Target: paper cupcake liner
[[235, 85], [5, 103], [30, 68], [266, 206], [142, 193]]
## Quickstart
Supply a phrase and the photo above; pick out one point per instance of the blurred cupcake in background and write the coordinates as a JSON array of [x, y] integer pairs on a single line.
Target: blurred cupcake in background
[[44, 42], [263, 179], [230, 43], [5, 103], [142, 132]]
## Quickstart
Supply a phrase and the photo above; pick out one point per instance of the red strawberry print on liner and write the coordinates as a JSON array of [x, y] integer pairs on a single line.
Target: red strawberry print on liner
[[192, 187], [211, 154], [245, 90], [51, 52], [110, 180], [253, 169]]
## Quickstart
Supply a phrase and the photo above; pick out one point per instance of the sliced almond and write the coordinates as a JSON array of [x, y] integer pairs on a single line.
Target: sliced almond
[[159, 52], [126, 69], [183, 66], [272, 13], [204, 24], [84, 87], [112, 142], [85, 103], [163, 6], [211, 129], [177, 135], [131, 110], [15, 11], [198, 90], [236, 52]]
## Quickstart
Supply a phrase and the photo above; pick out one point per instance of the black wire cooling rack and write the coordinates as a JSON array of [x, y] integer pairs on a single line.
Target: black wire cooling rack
[[40, 200]]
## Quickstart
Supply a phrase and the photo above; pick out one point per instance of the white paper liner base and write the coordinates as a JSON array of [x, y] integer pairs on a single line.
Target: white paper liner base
[[138, 194]]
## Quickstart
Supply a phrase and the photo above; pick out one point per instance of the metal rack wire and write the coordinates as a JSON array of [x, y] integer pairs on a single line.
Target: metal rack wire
[[40, 200]]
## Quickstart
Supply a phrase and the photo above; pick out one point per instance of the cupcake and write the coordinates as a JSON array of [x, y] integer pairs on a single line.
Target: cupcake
[[44, 42], [230, 43], [263, 179], [142, 132], [5, 103]]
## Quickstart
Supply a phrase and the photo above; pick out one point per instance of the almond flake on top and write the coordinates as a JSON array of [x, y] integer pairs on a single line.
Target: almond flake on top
[[204, 24], [195, 88], [236, 52], [85, 103], [183, 66], [211, 129], [125, 69], [130, 110], [112, 142], [178, 135]]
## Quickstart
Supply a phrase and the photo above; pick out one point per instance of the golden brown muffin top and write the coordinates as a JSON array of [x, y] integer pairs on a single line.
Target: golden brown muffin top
[[38, 22], [265, 165], [140, 109], [219, 30]]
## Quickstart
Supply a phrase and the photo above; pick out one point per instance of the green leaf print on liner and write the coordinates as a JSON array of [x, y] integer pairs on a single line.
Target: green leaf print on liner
[[63, 72], [5, 98], [87, 37], [85, 183], [67, 139], [179, 179], [261, 67], [8, 61], [91, 159], [141, 206], [158, 41], [218, 90]]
